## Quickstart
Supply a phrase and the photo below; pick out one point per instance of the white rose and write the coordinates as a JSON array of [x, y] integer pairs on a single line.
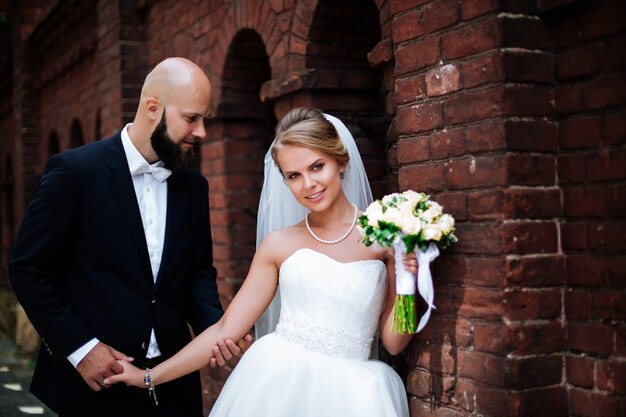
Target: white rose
[[446, 222], [387, 199], [406, 208], [414, 197], [410, 225], [392, 215], [433, 211], [431, 232], [374, 213]]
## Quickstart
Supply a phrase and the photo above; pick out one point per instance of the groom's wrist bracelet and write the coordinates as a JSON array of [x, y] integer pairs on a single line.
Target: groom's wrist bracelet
[[147, 380]]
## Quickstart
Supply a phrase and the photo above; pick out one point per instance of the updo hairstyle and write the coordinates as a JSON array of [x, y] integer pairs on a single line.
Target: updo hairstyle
[[307, 127]]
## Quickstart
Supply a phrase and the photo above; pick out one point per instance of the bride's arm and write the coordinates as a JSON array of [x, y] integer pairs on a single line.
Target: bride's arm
[[250, 302], [393, 342]]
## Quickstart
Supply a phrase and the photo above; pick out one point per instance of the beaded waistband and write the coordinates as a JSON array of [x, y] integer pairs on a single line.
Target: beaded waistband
[[324, 340]]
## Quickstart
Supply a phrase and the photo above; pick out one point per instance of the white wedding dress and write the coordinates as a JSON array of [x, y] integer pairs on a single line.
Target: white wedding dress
[[316, 362]]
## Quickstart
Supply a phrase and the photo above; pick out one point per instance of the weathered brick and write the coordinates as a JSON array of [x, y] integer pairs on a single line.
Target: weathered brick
[[410, 89], [536, 271], [479, 239], [454, 203], [440, 14], [611, 376], [408, 26], [594, 270], [587, 403], [471, 39], [443, 80], [590, 338], [579, 370], [615, 202], [525, 238], [604, 165], [483, 368], [580, 133], [487, 68], [572, 168], [419, 117], [578, 62], [447, 143], [487, 136], [605, 19], [614, 132], [381, 53], [422, 177], [480, 303], [609, 236], [514, 203], [608, 304], [574, 236], [485, 272], [535, 371], [398, 6], [531, 169], [413, 149], [472, 172], [527, 66], [568, 99], [604, 92], [536, 304], [417, 55], [583, 202]]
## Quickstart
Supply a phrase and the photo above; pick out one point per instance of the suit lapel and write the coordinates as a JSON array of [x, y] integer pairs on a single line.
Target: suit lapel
[[121, 184]]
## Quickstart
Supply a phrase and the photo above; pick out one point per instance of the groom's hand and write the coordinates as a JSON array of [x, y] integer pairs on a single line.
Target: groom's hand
[[226, 350], [100, 363]]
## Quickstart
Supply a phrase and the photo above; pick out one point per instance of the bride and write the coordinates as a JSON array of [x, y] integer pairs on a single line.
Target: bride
[[335, 291]]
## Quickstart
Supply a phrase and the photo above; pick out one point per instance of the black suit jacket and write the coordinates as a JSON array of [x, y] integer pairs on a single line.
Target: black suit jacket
[[80, 268]]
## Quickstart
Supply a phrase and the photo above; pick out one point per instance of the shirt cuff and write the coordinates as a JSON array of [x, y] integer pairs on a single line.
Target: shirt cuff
[[82, 351]]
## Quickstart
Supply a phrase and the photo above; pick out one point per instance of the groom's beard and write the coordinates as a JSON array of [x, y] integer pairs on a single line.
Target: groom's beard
[[170, 152]]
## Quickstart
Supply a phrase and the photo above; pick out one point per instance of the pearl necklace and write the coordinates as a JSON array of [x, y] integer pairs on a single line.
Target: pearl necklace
[[332, 242]]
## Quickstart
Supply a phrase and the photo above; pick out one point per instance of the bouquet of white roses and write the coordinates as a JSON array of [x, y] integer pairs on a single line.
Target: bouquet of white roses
[[405, 221]]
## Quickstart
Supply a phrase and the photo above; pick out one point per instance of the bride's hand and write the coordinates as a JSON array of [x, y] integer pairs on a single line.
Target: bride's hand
[[131, 376], [226, 350], [409, 260]]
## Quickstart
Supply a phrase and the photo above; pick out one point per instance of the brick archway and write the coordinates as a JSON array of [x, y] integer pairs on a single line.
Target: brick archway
[[76, 134], [238, 138]]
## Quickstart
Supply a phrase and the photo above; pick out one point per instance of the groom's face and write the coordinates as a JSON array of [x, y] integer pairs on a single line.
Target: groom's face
[[181, 152]]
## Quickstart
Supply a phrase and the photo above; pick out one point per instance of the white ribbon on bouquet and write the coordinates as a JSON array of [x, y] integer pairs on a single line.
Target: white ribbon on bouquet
[[405, 281]]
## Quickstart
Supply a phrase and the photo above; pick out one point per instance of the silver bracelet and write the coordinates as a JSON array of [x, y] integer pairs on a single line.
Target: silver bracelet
[[147, 380]]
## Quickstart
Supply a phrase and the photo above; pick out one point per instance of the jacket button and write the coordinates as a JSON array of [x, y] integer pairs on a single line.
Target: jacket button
[[143, 345], [153, 301]]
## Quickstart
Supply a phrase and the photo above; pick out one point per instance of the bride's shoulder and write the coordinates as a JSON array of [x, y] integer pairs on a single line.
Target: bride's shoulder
[[281, 241]]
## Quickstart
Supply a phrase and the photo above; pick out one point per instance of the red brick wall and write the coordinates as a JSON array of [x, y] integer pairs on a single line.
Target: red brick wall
[[590, 108], [510, 112]]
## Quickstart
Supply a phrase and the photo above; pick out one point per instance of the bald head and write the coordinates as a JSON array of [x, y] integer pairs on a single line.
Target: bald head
[[175, 79], [179, 91]]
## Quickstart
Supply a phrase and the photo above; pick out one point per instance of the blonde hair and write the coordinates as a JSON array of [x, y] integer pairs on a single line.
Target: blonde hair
[[307, 127]]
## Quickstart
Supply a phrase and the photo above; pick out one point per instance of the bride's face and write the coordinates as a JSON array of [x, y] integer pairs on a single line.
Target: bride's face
[[313, 177]]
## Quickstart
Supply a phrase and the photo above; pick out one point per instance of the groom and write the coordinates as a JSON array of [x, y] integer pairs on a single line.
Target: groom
[[113, 258]]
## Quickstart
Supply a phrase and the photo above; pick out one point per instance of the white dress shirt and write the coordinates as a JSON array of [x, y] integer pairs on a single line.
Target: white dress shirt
[[152, 200]]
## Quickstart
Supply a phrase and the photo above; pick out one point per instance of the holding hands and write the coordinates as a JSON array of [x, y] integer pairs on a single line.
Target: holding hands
[[126, 372], [101, 362]]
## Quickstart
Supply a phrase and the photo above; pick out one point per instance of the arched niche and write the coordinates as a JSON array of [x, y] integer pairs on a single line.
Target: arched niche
[[232, 157], [76, 135]]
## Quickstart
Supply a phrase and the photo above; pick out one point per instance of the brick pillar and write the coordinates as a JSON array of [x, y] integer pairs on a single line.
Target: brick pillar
[[26, 15], [590, 107], [108, 58], [474, 95]]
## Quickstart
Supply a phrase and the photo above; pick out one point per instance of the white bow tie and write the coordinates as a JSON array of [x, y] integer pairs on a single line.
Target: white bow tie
[[159, 173]]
